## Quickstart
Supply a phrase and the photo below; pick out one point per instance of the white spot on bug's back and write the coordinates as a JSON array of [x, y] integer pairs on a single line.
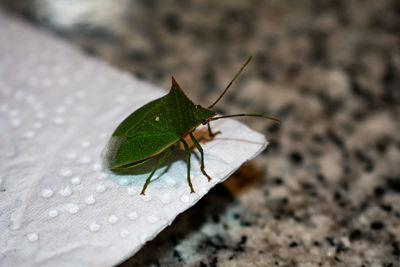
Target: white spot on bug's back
[[53, 213], [47, 192], [157, 118], [133, 215], [113, 219], [94, 227], [1, 181], [33, 237]]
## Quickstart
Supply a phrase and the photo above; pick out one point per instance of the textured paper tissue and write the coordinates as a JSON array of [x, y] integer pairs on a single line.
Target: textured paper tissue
[[57, 111]]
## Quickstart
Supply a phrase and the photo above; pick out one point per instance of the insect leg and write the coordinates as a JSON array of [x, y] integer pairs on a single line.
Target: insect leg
[[210, 133], [162, 159], [196, 143], [188, 165]]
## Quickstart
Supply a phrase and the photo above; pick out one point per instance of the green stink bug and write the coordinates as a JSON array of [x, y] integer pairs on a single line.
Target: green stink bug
[[159, 125]]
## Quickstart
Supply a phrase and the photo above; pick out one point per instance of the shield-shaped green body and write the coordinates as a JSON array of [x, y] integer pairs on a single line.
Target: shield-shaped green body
[[157, 126], [154, 127]]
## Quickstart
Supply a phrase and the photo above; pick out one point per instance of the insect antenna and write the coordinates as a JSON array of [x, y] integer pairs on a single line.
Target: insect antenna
[[242, 115], [231, 82], [236, 115]]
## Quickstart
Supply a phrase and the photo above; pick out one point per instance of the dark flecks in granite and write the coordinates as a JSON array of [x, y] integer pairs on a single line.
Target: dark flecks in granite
[[382, 145], [325, 66], [273, 148], [278, 181], [337, 196], [137, 55], [341, 247], [172, 22], [90, 51], [209, 80], [215, 243], [246, 223], [335, 138], [317, 138], [241, 245], [273, 129], [379, 191], [296, 157], [386, 207], [377, 225], [396, 250], [393, 183], [360, 92], [320, 178], [318, 40], [365, 159], [317, 244], [355, 234], [330, 241], [177, 255], [215, 218]]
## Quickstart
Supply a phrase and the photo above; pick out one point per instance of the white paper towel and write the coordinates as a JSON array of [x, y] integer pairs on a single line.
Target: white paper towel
[[57, 110]]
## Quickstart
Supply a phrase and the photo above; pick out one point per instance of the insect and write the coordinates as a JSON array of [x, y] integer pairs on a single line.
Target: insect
[[156, 128]]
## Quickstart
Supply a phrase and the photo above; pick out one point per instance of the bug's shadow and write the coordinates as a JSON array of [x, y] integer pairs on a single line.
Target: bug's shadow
[[136, 176]]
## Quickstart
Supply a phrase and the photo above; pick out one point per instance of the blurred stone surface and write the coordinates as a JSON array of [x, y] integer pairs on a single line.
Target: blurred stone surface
[[326, 191]]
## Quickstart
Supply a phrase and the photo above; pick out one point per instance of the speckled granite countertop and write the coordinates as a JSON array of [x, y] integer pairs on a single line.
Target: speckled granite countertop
[[326, 192]]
